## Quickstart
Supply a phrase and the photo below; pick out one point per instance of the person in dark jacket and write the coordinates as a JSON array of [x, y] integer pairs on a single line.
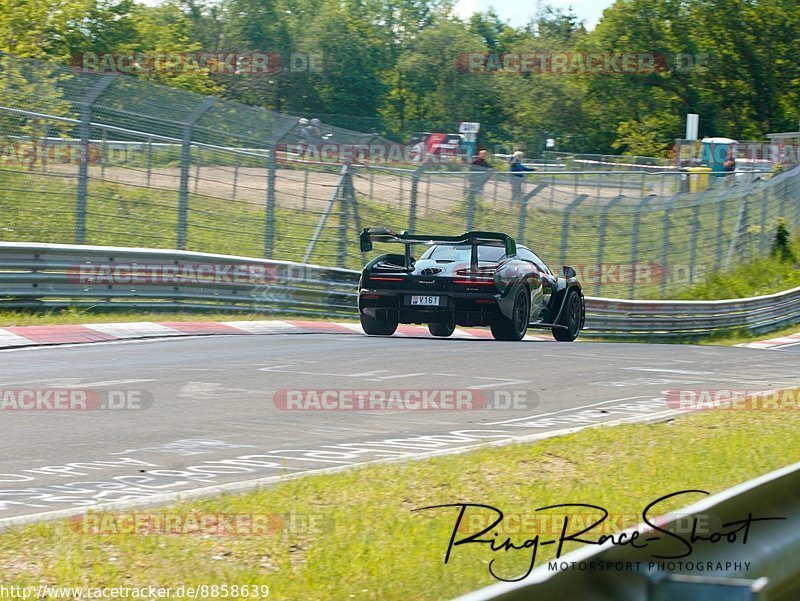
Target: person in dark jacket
[[480, 160], [479, 164], [517, 173]]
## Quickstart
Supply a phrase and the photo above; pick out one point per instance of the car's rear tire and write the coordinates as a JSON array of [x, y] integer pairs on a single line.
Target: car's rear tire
[[570, 317], [441, 329], [377, 327], [516, 327]]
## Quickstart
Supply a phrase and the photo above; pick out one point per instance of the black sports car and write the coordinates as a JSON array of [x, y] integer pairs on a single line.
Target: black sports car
[[477, 279]]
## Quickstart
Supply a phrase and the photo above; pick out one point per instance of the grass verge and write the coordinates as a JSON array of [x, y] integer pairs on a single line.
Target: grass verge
[[755, 278], [354, 535]]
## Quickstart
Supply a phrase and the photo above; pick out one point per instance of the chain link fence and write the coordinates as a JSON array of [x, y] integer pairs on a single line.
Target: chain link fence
[[112, 160]]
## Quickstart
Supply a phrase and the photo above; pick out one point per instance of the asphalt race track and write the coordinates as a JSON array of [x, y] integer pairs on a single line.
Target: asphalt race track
[[195, 413]]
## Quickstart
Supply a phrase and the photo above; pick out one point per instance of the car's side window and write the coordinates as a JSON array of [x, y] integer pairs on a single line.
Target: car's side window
[[540, 264], [526, 255]]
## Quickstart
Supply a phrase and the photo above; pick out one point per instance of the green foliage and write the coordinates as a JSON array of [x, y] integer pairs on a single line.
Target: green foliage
[[763, 276], [399, 65], [640, 138], [782, 248]]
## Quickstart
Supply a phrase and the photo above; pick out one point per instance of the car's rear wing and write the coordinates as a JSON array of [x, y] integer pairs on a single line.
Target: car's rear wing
[[475, 239]]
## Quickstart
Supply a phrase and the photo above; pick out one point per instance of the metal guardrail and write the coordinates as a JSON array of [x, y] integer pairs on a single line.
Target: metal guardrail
[[763, 567], [691, 319], [58, 276]]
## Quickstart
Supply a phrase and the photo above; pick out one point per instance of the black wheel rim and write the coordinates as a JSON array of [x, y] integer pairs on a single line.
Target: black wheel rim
[[519, 314], [574, 313]]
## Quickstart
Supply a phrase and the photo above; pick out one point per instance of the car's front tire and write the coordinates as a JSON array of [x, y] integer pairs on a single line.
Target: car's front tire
[[570, 317], [441, 329], [516, 327], [377, 327]]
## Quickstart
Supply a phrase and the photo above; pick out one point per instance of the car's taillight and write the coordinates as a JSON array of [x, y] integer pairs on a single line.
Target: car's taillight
[[470, 277], [385, 278]]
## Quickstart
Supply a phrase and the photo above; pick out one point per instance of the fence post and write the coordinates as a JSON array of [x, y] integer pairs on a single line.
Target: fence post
[[601, 236], [337, 192], [796, 183], [350, 198], [186, 159], [149, 159], [523, 210], [741, 225], [635, 242], [236, 175], [565, 224], [762, 243], [412, 208], [344, 206], [103, 153], [720, 224], [476, 185], [83, 166], [665, 242], [197, 164], [780, 192], [269, 214], [427, 195], [305, 189], [693, 242]]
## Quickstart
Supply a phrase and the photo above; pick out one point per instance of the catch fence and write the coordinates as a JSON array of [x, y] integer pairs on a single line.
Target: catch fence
[[112, 160]]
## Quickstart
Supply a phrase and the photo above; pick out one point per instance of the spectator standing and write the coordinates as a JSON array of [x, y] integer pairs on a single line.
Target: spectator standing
[[479, 164], [480, 160], [517, 174]]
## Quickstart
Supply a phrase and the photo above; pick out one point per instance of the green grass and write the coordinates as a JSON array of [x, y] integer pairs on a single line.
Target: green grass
[[355, 534], [758, 277]]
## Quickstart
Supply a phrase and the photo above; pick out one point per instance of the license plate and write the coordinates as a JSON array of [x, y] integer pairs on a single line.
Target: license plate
[[428, 301]]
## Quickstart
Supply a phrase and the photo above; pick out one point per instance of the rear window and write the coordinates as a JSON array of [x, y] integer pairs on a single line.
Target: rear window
[[462, 252]]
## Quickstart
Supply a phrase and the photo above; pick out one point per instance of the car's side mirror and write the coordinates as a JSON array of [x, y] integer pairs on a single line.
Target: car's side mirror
[[569, 272]]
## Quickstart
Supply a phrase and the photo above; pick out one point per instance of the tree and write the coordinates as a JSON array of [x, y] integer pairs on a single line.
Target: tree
[[641, 138]]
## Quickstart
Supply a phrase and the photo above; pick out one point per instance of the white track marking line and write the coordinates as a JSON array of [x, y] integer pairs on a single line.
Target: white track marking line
[[356, 327], [11, 339], [501, 382], [397, 376], [247, 485], [519, 419], [137, 329], [320, 373], [264, 327], [85, 345], [672, 371], [109, 383]]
